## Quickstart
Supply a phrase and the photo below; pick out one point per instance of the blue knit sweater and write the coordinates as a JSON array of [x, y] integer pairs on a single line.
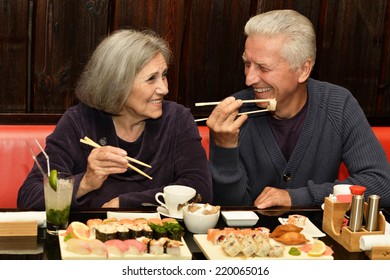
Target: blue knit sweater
[[170, 144], [335, 130]]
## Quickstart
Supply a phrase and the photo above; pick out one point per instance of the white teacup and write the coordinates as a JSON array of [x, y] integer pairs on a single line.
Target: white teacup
[[173, 196]]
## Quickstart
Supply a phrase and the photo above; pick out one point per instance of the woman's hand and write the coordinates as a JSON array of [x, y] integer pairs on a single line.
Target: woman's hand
[[113, 203], [224, 123], [102, 162]]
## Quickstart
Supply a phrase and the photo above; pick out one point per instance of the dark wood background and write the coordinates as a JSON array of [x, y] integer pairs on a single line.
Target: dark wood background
[[44, 45]]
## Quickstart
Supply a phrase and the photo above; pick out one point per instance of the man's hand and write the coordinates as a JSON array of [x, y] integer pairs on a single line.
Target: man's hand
[[271, 196], [224, 123]]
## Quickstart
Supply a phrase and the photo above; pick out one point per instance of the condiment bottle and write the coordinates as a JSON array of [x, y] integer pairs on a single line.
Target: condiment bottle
[[372, 212], [357, 208]]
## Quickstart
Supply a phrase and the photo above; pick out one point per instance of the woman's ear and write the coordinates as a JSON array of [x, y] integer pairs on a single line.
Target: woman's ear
[[305, 71]]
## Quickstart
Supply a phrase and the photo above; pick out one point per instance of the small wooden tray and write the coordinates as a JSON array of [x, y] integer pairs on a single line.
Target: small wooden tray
[[332, 224], [18, 235], [28, 228]]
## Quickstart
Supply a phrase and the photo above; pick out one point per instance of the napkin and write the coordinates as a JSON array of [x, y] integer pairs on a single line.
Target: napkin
[[366, 242], [132, 215], [39, 216]]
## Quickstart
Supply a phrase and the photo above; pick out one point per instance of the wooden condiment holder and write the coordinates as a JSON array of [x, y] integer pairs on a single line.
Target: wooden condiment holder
[[332, 221], [18, 235]]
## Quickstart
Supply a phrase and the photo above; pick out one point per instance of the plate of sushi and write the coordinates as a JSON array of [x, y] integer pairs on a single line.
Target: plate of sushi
[[125, 238], [309, 229], [259, 243]]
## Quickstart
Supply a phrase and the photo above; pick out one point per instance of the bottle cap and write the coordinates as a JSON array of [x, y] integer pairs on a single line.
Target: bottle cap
[[357, 190]]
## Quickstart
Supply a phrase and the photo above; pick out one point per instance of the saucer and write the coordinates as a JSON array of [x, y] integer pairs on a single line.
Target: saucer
[[164, 211]]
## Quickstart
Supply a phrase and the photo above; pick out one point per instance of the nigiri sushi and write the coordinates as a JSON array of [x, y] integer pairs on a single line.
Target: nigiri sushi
[[116, 246], [135, 247]]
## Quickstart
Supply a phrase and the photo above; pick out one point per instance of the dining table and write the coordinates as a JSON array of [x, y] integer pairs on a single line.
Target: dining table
[[47, 246]]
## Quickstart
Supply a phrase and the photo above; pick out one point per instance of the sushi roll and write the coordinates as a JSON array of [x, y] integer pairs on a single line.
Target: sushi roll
[[158, 231], [297, 220], [135, 231], [174, 231], [248, 246], [93, 223], [263, 245], [105, 232], [147, 231], [231, 245], [123, 232], [276, 251]]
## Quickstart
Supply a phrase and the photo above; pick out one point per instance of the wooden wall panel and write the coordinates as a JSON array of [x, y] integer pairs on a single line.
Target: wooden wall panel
[[13, 55], [166, 18], [207, 40], [65, 34], [351, 48], [212, 67]]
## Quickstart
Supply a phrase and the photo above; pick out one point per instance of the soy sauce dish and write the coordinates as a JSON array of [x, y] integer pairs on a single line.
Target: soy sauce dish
[[240, 218]]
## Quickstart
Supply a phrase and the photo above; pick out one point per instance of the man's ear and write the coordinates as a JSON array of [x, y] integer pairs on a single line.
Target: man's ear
[[305, 71]]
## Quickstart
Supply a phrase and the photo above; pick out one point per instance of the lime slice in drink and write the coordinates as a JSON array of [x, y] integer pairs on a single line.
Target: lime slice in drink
[[53, 179]]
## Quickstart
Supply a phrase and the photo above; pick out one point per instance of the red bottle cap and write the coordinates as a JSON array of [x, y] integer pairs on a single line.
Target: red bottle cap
[[357, 190]]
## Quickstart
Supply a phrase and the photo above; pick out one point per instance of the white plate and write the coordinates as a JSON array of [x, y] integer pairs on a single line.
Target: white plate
[[185, 254], [132, 215], [164, 211], [239, 218], [215, 252], [309, 229]]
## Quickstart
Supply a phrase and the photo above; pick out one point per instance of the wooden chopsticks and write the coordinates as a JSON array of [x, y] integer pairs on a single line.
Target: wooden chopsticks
[[269, 100], [90, 142], [271, 106]]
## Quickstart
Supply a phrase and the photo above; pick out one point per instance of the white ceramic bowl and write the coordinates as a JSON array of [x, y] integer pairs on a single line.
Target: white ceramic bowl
[[197, 222]]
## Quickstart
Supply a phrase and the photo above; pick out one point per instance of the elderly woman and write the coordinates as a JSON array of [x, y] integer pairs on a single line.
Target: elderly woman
[[290, 156], [122, 108]]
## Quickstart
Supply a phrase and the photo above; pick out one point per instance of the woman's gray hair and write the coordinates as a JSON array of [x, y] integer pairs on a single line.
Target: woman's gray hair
[[300, 37], [108, 77]]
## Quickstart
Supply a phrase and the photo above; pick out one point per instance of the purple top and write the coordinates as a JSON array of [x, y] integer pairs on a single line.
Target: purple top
[[170, 144]]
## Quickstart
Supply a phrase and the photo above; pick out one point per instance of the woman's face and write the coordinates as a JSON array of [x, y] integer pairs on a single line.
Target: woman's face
[[149, 87]]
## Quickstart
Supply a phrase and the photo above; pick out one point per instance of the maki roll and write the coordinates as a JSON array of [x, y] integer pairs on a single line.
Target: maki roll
[[158, 231], [104, 232], [123, 232], [135, 231], [174, 231], [147, 231]]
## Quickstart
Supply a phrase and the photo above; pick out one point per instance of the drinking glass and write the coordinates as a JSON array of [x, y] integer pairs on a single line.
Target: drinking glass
[[57, 202]]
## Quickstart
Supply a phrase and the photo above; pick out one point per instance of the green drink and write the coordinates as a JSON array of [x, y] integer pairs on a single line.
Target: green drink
[[58, 197]]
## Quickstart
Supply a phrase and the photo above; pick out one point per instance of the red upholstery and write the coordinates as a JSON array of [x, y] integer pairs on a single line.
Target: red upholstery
[[16, 160], [383, 134], [204, 133]]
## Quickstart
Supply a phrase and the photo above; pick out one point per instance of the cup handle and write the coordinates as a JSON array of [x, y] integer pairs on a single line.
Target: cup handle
[[158, 200]]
